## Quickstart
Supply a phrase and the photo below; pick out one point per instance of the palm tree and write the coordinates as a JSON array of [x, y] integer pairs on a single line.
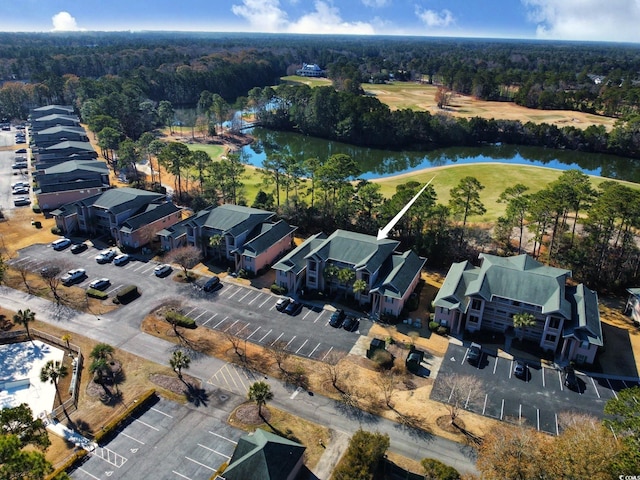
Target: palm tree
[[24, 317], [52, 372], [178, 361], [98, 368], [260, 392], [523, 320], [66, 338], [215, 242], [346, 276], [359, 286], [102, 351]]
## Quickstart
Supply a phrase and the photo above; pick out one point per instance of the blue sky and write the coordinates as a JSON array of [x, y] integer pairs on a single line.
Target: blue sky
[[590, 20]]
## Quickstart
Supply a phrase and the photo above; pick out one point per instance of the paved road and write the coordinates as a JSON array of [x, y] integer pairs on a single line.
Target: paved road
[[110, 329]]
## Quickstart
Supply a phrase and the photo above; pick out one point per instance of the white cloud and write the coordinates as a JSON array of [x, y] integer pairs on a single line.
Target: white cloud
[[614, 20], [267, 16], [64, 22], [376, 3], [431, 18]]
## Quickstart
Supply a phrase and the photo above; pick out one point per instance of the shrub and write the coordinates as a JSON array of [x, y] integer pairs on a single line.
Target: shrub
[[433, 326], [176, 318], [277, 289], [99, 294], [383, 359], [56, 231], [441, 330], [437, 470], [127, 294], [37, 224]]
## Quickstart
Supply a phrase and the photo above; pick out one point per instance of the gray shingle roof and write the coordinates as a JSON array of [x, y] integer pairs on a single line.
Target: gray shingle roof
[[55, 108], [69, 144], [263, 456], [73, 165], [401, 271], [58, 117], [70, 185], [61, 129], [361, 251], [235, 219], [295, 261], [270, 233], [119, 199], [585, 323], [152, 213]]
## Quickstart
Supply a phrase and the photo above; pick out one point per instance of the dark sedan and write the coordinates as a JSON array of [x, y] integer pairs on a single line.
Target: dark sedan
[[337, 318]]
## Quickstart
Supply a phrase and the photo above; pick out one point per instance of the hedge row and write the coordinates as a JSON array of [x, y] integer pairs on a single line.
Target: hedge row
[[177, 318], [99, 294]]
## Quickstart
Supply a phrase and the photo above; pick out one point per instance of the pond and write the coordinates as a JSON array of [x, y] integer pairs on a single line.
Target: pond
[[384, 163]]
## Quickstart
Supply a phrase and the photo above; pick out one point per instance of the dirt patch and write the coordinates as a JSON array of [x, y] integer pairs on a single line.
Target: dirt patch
[[248, 414], [174, 384]]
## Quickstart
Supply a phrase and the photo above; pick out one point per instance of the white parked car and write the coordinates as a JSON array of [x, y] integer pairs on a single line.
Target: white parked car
[[162, 270], [106, 256], [121, 259], [100, 284], [73, 276]]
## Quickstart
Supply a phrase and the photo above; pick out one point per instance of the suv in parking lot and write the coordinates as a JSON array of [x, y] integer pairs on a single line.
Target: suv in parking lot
[[212, 284], [60, 244], [475, 352], [121, 259], [73, 276], [337, 318], [570, 379], [162, 270], [105, 256], [282, 303]]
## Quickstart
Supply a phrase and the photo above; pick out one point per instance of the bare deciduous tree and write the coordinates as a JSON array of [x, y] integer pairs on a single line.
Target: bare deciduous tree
[[459, 392], [387, 384], [334, 371], [51, 275], [278, 351], [187, 257], [232, 336]]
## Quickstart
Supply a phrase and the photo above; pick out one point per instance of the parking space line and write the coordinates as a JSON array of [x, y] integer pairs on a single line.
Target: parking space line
[[484, 407], [318, 317], [520, 413], [307, 314], [289, 343], [214, 451], [611, 387], [543, 382], [245, 295], [161, 412], [181, 475], [235, 291], [265, 336], [560, 380], [223, 437], [301, 346], [268, 298], [118, 460], [221, 321], [595, 387], [201, 464], [255, 298], [495, 366], [231, 325], [237, 334], [538, 418], [466, 403], [326, 354], [210, 318], [274, 342], [203, 312], [464, 357], [557, 428], [132, 438], [147, 425], [141, 266], [253, 333], [189, 312], [87, 473], [313, 351], [502, 409]]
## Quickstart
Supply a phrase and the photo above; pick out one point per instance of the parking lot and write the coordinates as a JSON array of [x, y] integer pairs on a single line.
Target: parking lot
[[242, 311], [537, 400], [165, 440]]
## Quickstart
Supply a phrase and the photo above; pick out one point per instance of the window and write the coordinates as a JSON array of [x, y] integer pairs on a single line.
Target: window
[[550, 338], [515, 303], [584, 345], [476, 304], [581, 358], [474, 319], [554, 323], [312, 266]]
